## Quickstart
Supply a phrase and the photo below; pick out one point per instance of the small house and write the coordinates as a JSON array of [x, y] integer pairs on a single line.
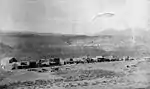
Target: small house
[[13, 60], [43, 63], [32, 64]]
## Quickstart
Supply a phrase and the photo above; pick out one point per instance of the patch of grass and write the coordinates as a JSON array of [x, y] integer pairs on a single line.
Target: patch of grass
[[28, 84]]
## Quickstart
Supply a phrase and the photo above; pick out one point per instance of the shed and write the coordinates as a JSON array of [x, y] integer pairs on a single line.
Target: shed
[[32, 64]]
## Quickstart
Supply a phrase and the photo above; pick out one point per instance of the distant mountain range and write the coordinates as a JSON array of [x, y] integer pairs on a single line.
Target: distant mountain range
[[108, 42]]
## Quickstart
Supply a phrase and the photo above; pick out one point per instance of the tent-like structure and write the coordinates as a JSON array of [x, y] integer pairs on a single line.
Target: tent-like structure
[[7, 62]]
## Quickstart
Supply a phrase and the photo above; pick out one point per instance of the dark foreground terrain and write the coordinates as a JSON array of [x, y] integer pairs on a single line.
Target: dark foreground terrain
[[114, 75]]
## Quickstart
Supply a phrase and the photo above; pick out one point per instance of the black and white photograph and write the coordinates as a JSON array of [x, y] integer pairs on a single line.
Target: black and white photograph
[[74, 44]]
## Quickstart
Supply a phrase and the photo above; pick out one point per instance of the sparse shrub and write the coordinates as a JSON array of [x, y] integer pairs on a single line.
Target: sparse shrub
[[80, 75], [85, 84]]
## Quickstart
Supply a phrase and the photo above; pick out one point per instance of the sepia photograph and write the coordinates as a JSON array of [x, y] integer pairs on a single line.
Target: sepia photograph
[[74, 44]]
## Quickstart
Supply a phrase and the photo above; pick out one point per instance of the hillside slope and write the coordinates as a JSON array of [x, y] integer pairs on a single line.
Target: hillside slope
[[39, 45]]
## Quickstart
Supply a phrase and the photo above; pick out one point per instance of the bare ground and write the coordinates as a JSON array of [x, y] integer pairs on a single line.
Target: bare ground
[[115, 75]]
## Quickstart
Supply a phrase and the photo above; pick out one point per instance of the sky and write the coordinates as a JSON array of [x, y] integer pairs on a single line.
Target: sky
[[72, 16]]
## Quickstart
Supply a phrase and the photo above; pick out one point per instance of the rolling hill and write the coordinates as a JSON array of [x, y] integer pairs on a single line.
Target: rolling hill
[[39, 45], [35, 46]]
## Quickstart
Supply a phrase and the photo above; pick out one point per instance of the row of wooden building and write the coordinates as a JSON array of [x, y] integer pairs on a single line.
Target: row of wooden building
[[10, 63]]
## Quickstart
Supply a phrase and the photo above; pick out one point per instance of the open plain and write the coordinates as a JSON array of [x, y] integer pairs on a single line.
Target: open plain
[[113, 75]]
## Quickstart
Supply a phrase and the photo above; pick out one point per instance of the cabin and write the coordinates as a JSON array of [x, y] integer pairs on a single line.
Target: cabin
[[43, 63], [23, 65], [57, 61], [52, 62], [69, 61], [32, 64], [89, 60], [13, 60], [79, 60], [15, 65], [99, 57], [94, 59]]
